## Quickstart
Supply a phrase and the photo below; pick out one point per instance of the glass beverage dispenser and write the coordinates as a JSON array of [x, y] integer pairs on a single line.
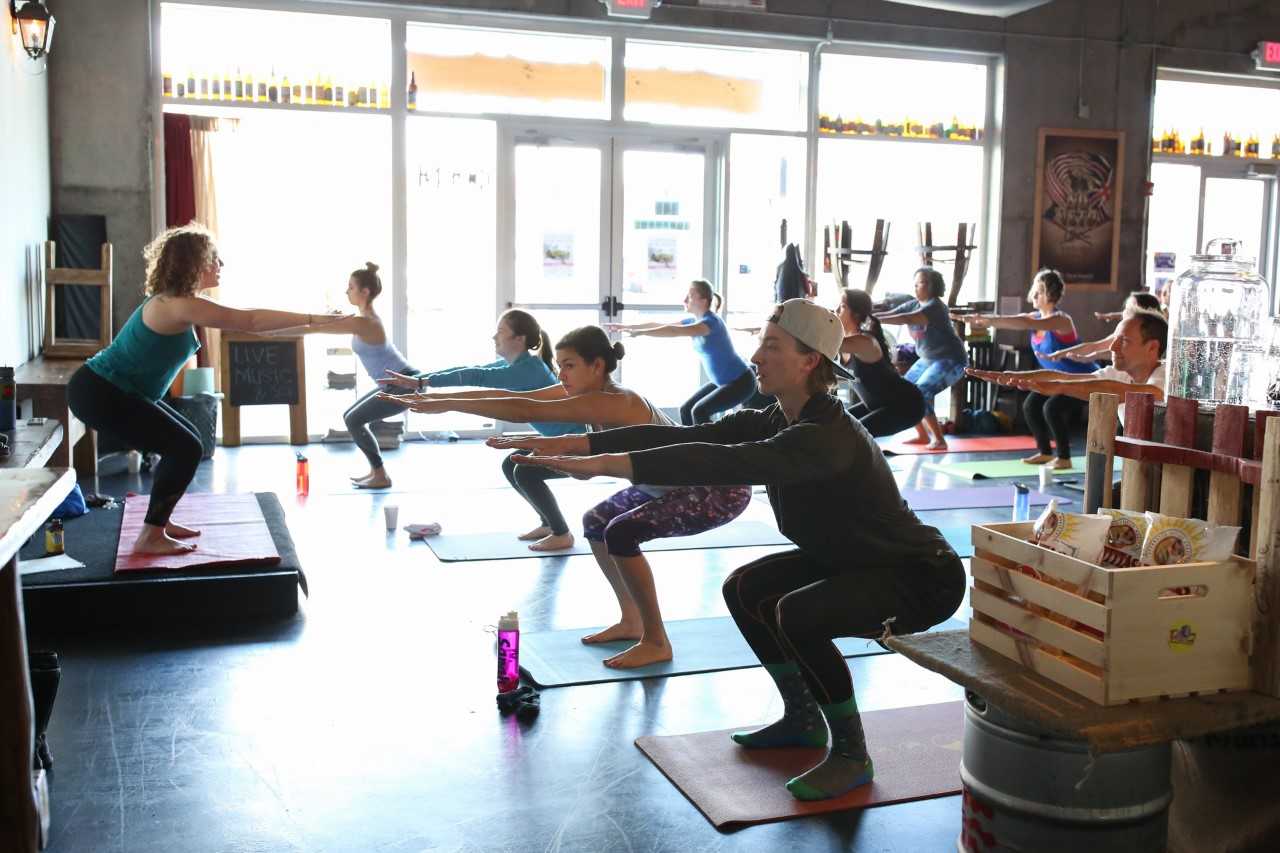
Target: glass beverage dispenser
[[1218, 330]]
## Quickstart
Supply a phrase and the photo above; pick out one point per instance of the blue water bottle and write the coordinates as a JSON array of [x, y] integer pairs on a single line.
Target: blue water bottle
[[1021, 502], [8, 399]]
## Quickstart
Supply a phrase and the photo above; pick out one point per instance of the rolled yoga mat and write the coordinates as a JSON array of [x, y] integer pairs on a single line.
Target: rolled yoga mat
[[561, 659], [916, 751]]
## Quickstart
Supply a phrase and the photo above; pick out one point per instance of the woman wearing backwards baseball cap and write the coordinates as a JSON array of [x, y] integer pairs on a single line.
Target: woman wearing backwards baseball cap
[[844, 579]]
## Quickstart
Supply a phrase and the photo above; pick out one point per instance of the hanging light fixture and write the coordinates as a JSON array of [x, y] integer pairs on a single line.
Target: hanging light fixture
[[33, 23]]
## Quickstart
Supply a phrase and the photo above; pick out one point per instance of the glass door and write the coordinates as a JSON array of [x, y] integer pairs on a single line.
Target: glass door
[[607, 229]]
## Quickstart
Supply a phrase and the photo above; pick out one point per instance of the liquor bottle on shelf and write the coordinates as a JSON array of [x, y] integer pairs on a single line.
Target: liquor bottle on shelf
[[296, 95], [273, 88], [239, 85], [261, 91], [327, 97], [250, 93], [1197, 143], [339, 95], [1251, 146], [286, 91], [215, 88], [191, 84], [362, 96], [226, 86], [204, 86], [412, 100], [309, 90], [180, 89], [384, 99], [166, 84], [1275, 146]]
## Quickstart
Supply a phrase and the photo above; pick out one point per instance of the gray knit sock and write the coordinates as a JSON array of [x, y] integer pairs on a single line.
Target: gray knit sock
[[847, 765], [801, 723]]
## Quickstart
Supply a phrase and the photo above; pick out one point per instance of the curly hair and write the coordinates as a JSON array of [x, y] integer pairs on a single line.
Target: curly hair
[[176, 259]]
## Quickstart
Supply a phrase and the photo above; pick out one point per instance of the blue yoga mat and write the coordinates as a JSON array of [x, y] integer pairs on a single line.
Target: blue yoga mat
[[560, 659]]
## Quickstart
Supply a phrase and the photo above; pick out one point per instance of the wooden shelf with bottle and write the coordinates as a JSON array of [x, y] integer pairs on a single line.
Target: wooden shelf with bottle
[[1209, 158], [884, 137], [267, 105]]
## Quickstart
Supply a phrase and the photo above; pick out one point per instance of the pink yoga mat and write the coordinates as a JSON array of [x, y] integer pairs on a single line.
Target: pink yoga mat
[[916, 752], [232, 532], [964, 445]]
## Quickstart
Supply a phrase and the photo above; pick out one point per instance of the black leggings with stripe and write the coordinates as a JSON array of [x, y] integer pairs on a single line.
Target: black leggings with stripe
[[142, 425], [790, 608]]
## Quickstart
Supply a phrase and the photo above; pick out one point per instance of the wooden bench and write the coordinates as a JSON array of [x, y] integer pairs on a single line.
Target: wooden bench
[[44, 381]]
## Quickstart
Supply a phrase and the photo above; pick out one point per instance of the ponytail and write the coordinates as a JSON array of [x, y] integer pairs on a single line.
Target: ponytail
[[859, 304], [878, 331], [544, 349], [704, 289]]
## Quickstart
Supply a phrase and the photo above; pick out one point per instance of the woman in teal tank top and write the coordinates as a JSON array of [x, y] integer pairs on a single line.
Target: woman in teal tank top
[[119, 391]]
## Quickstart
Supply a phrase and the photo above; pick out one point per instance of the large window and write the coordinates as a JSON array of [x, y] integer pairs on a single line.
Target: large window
[[1212, 172], [906, 150]]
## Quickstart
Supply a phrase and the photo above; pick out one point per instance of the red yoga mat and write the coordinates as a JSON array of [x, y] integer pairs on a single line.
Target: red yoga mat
[[232, 533], [916, 752], [964, 445]]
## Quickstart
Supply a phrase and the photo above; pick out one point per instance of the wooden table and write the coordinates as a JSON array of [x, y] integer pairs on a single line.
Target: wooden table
[[27, 497], [32, 445], [44, 382]]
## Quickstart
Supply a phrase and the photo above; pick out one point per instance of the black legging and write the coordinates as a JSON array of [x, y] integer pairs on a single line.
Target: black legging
[[892, 419], [789, 607], [142, 425], [712, 398], [529, 481], [1048, 415]]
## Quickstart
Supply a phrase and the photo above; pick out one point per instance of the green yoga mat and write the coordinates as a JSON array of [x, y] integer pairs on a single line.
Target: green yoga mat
[[992, 469], [560, 659]]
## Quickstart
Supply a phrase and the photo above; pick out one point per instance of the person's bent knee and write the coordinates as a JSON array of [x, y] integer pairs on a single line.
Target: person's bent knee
[[620, 540]]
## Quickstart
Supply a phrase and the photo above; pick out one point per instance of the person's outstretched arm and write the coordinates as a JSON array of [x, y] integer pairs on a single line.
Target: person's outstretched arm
[[199, 311], [668, 330], [1009, 377], [1084, 351], [601, 407], [1081, 388], [1059, 323]]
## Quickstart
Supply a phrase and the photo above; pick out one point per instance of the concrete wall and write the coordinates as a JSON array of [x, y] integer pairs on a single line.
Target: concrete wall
[[24, 193], [100, 107], [102, 139]]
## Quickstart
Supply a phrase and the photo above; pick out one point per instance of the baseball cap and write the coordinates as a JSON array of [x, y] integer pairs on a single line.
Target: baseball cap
[[815, 327]]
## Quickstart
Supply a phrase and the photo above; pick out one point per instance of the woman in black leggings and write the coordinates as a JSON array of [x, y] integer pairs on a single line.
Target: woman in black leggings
[[119, 390], [849, 575], [887, 402]]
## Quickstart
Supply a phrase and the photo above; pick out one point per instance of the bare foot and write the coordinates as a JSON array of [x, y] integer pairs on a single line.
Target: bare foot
[[919, 439], [355, 478], [153, 540], [621, 631], [1060, 464], [179, 531], [1038, 459], [383, 482], [536, 533], [938, 444], [641, 654], [553, 543]]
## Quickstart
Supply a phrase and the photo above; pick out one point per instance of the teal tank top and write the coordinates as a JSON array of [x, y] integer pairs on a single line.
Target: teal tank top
[[144, 362]]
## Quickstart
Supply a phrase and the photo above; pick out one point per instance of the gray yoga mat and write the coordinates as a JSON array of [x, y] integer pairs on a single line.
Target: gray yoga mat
[[561, 659], [969, 497], [504, 545]]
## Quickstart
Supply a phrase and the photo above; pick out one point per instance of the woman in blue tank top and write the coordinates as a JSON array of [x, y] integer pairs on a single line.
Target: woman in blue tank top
[[1051, 331], [119, 390], [732, 380]]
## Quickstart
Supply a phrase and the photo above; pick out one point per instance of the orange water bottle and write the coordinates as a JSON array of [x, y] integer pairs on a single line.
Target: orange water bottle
[[304, 475]]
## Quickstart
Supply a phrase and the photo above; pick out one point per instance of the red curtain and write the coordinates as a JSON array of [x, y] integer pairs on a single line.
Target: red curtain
[[179, 175]]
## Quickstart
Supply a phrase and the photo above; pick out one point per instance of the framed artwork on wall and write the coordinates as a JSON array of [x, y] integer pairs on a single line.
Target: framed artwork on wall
[[1076, 225]]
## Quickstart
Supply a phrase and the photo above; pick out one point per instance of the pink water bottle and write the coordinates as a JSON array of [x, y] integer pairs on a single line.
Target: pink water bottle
[[508, 652]]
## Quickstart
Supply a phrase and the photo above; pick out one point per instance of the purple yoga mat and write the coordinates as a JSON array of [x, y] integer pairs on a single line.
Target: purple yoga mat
[[970, 497]]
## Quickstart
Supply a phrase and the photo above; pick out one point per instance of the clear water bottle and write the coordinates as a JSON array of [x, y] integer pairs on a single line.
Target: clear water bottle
[[508, 652], [1021, 502], [1218, 317]]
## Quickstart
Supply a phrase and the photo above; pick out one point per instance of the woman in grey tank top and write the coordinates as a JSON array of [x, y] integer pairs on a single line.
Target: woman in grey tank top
[[615, 527]]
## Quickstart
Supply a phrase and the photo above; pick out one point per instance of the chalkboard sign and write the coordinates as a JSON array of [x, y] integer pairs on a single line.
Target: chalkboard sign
[[263, 373]]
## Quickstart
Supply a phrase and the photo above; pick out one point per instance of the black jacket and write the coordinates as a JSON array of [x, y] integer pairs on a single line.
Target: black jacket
[[831, 490]]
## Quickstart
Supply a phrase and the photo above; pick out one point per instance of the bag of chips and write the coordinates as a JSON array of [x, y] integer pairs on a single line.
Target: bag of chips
[[1124, 538], [1079, 536], [1171, 540]]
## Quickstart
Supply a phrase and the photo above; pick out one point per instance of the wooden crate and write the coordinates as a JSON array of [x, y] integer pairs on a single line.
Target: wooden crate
[[1112, 635]]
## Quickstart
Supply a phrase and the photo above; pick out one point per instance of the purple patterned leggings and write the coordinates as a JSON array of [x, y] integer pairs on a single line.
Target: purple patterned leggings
[[624, 520]]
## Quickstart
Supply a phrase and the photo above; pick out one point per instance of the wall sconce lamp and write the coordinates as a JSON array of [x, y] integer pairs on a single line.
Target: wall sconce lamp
[[35, 25]]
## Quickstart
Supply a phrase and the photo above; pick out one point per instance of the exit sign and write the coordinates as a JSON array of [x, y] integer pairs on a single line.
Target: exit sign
[[630, 8], [1267, 56]]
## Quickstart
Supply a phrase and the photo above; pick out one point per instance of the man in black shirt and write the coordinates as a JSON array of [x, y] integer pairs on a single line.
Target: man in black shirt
[[863, 558]]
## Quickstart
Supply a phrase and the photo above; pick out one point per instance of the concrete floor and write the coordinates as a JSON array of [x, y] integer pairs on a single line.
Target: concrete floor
[[367, 723]]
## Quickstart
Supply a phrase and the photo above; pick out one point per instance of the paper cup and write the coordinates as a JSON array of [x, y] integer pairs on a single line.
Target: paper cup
[[392, 513], [1046, 477], [135, 462]]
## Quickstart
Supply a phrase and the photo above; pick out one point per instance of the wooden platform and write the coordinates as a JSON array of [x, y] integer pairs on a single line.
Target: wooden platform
[[1017, 690]]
